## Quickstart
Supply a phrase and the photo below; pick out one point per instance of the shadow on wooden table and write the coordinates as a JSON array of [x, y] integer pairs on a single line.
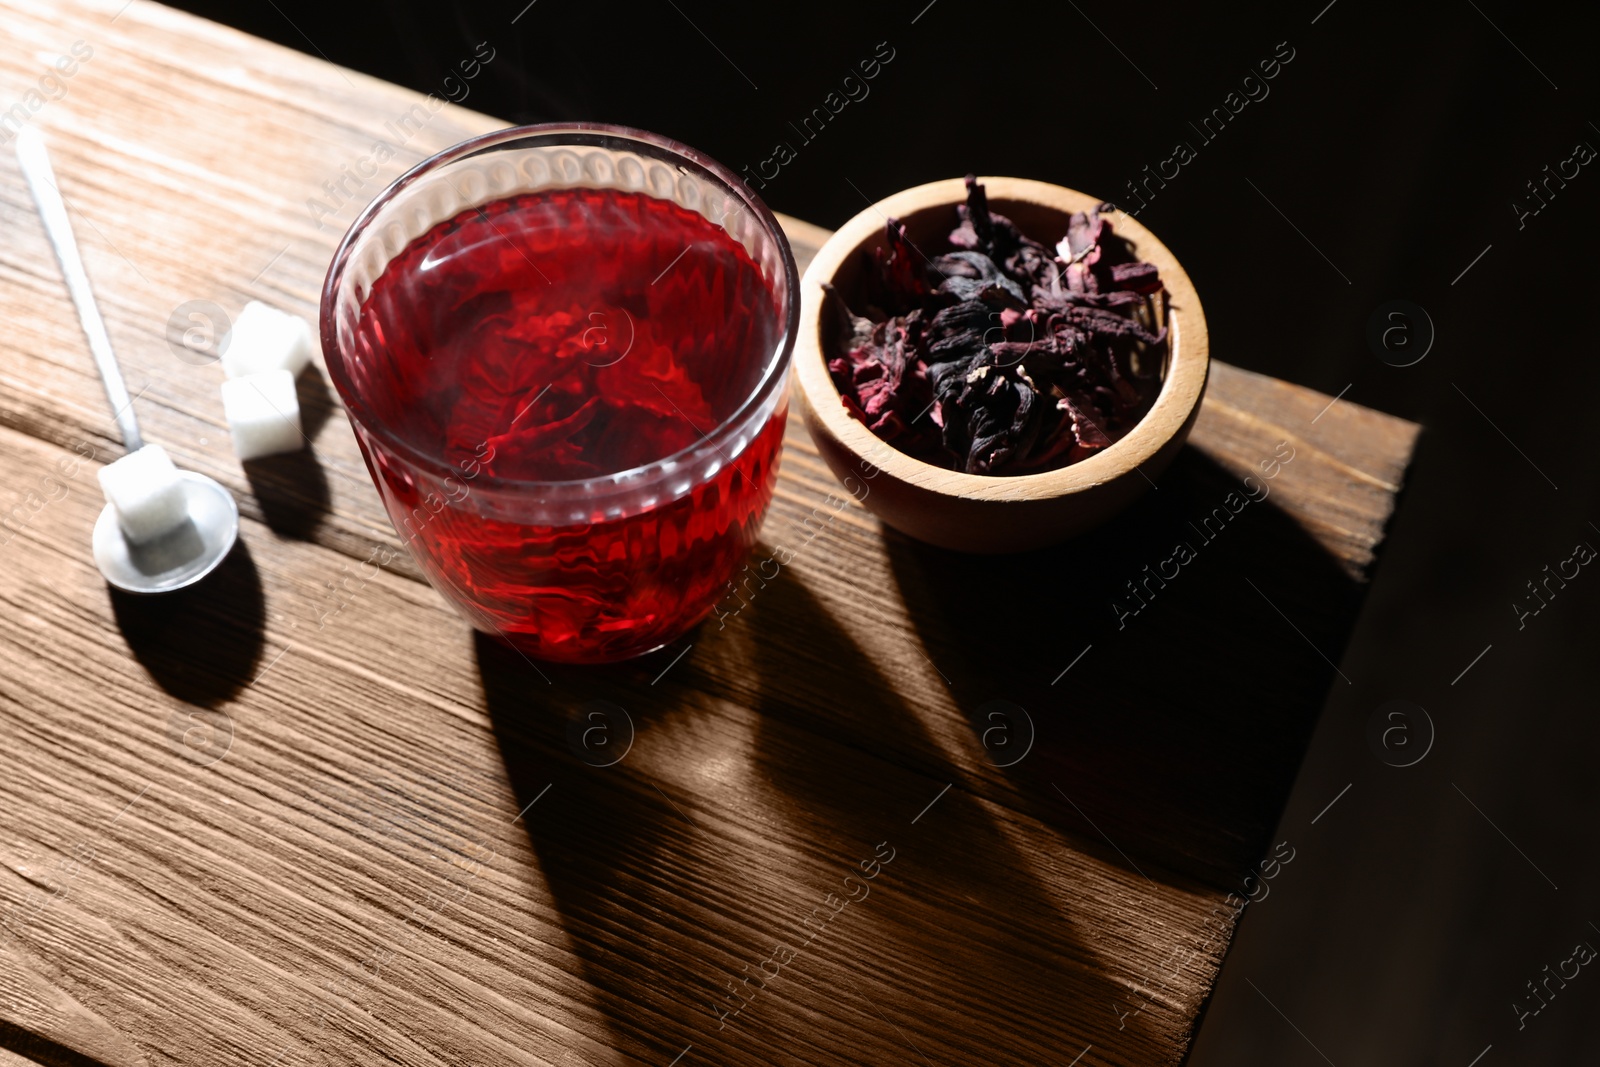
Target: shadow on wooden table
[[962, 947], [1179, 731], [317, 404], [607, 845], [292, 487], [670, 897], [224, 614], [292, 490]]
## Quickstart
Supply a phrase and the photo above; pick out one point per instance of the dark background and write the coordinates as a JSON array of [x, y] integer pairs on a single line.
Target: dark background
[[1392, 148]]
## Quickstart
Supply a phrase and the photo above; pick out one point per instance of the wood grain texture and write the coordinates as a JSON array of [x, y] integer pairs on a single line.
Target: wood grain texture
[[300, 814]]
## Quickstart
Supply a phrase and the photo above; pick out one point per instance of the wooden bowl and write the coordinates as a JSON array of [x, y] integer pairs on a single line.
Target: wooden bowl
[[976, 512]]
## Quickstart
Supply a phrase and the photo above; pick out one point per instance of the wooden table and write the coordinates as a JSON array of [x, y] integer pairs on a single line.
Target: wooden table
[[301, 814]]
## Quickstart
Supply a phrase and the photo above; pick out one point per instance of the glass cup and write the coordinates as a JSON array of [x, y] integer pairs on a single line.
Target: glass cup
[[585, 521]]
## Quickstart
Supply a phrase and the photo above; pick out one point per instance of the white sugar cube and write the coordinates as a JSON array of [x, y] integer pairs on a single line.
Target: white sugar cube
[[147, 492], [263, 413], [266, 339]]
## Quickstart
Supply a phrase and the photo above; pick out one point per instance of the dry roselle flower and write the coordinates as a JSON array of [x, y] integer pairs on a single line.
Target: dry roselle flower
[[999, 356], [888, 385]]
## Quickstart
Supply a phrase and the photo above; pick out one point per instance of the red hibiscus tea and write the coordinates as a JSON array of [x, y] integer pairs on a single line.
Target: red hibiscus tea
[[572, 399]]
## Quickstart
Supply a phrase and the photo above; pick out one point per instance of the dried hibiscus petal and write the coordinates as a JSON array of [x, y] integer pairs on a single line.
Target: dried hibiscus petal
[[881, 376]]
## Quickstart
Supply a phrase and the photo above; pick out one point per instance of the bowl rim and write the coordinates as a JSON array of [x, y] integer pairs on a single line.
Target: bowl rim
[[1188, 362]]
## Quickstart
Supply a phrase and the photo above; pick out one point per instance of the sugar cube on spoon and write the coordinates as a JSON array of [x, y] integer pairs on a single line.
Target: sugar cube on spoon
[[145, 489], [263, 413]]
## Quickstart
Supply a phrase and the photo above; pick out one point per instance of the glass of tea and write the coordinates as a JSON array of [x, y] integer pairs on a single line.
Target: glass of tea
[[565, 351]]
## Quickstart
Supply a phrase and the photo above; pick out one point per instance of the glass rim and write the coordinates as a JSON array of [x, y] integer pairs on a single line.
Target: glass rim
[[360, 412]]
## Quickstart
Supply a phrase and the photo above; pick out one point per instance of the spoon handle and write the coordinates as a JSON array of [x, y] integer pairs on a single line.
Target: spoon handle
[[42, 183]]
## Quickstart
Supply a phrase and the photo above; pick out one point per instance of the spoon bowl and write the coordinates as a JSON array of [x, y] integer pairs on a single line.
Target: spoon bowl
[[176, 559]]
